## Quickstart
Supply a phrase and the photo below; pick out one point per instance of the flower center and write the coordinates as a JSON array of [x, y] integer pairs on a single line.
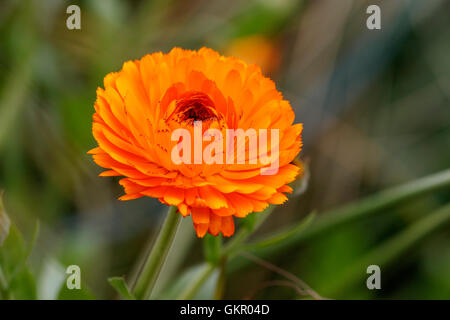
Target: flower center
[[195, 106]]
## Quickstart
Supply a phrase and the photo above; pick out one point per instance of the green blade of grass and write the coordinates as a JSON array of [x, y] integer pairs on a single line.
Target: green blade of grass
[[392, 249], [357, 210], [279, 237]]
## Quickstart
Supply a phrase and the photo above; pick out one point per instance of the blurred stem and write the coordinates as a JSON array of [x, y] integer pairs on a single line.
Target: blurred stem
[[220, 286], [212, 246], [3, 286], [384, 254], [153, 263]]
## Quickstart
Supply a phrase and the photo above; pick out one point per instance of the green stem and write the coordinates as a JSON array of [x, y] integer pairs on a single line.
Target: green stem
[[220, 286], [3, 286], [150, 270]]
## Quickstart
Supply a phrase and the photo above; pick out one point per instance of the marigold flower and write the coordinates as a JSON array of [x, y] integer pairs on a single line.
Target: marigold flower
[[144, 103]]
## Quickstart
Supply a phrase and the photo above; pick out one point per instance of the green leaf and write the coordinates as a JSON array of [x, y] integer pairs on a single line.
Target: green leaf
[[16, 280], [84, 293], [208, 288], [197, 282], [13, 252], [23, 285], [281, 236], [75, 294], [37, 228], [351, 212], [121, 287], [393, 248]]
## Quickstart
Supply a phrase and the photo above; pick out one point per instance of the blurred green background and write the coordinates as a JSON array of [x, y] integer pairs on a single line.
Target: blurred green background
[[374, 103]]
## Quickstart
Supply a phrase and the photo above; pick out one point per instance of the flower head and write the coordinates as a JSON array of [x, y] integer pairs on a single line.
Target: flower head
[[147, 112]]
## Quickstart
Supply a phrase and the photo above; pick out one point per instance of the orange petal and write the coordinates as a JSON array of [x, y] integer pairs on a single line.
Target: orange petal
[[213, 198], [201, 229], [184, 209], [215, 224], [200, 215], [227, 226], [174, 196], [278, 198]]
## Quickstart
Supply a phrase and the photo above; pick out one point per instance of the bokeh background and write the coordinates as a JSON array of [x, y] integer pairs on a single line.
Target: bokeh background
[[374, 103]]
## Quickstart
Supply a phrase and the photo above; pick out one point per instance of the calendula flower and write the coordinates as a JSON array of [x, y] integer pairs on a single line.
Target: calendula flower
[[146, 112]]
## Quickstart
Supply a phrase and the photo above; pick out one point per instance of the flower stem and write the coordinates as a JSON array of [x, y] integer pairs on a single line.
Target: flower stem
[[155, 259]]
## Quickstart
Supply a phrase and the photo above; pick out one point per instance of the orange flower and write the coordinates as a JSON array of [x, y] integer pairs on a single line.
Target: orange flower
[[142, 105]]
